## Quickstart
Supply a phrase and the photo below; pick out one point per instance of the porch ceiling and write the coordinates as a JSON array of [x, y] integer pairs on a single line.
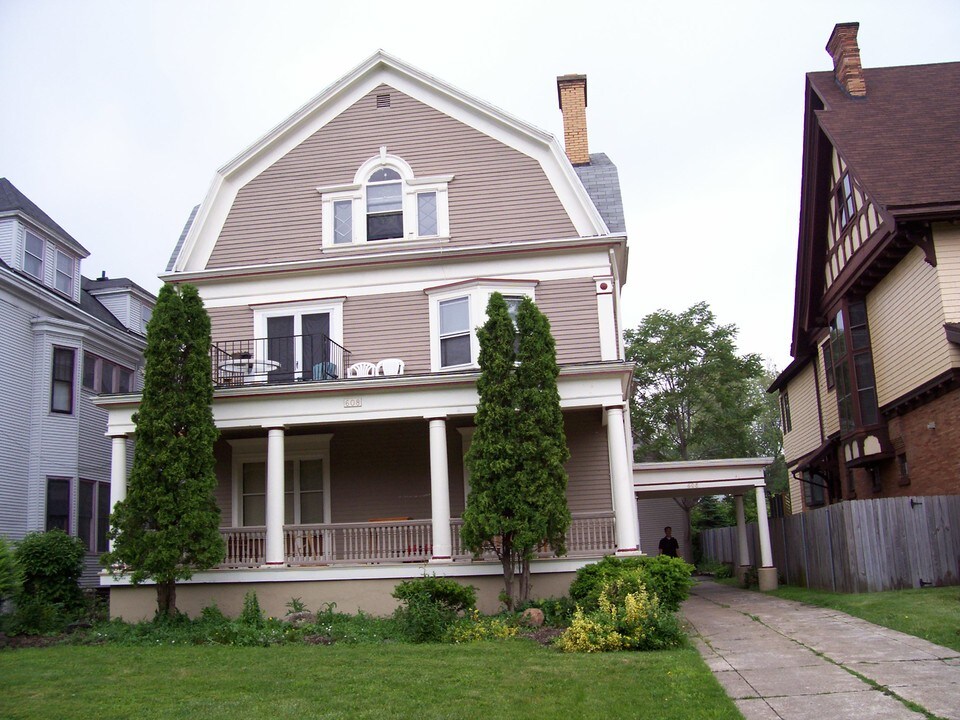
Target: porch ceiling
[[696, 478]]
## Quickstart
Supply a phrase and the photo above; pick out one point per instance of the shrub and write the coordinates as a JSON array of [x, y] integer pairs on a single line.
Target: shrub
[[430, 606], [625, 619], [37, 616], [475, 627], [251, 614], [668, 578], [9, 576], [50, 564], [725, 570], [557, 612]]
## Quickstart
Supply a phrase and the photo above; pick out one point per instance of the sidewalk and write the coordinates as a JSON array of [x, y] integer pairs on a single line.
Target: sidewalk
[[783, 659]]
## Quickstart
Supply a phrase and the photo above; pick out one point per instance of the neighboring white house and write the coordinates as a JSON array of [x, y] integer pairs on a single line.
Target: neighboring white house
[[345, 260], [64, 339]]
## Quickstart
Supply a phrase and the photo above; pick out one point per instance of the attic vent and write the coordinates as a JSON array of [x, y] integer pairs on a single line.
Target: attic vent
[[383, 101]]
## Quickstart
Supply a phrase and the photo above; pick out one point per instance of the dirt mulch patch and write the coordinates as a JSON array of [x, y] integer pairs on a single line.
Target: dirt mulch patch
[[543, 635], [15, 642]]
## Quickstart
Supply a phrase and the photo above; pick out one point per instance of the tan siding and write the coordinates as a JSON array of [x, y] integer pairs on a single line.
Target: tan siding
[[906, 328], [828, 397], [387, 326], [657, 513], [571, 307], [588, 470], [796, 493], [805, 433], [947, 241], [231, 323], [380, 470], [498, 193]]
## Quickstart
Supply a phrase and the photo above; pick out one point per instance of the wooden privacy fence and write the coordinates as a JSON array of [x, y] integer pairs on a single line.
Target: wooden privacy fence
[[858, 545]]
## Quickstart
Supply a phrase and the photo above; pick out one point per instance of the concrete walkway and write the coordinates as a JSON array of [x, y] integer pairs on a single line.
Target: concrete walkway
[[783, 659]]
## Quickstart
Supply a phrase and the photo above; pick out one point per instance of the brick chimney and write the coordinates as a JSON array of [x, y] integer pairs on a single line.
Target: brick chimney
[[572, 93], [845, 52]]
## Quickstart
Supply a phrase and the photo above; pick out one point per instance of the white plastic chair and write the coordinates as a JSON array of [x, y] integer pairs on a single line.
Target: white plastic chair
[[390, 366], [362, 369]]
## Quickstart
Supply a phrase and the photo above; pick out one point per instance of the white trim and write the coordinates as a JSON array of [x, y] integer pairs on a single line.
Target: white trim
[[383, 571], [377, 70], [296, 448]]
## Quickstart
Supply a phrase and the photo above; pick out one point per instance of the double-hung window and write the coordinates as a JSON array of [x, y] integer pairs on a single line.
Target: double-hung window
[[93, 514], [103, 376], [456, 310], [455, 332], [61, 389], [384, 205], [58, 504], [33, 256], [63, 281]]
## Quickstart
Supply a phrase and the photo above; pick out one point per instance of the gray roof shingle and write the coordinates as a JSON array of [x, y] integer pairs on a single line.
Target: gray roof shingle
[[183, 236], [602, 183], [12, 200]]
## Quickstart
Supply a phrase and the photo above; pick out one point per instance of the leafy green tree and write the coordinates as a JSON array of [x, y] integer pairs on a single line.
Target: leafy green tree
[[517, 499], [167, 527], [693, 395], [9, 575]]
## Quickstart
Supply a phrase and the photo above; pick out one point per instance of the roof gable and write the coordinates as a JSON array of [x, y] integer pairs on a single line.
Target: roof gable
[[12, 201], [382, 69]]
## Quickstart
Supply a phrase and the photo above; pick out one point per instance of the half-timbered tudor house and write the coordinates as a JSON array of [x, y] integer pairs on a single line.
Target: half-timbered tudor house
[[871, 403], [346, 260], [64, 339]]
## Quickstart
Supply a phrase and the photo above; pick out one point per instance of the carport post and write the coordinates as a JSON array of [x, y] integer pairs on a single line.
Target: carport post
[[767, 573], [743, 554]]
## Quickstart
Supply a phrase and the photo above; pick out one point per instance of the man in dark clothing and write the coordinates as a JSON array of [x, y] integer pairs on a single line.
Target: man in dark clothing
[[668, 543]]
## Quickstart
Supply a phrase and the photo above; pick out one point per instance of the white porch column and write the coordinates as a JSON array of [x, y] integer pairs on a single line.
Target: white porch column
[[627, 533], [118, 472], [274, 550], [743, 551], [439, 491], [767, 573]]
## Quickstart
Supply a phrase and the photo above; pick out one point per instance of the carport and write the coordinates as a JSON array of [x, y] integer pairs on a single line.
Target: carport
[[729, 476]]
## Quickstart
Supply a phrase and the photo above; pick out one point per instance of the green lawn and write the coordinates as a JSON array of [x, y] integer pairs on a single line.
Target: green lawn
[[510, 679], [929, 613]]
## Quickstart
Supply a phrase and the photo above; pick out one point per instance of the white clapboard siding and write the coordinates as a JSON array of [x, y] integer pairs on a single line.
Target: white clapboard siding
[[906, 319]]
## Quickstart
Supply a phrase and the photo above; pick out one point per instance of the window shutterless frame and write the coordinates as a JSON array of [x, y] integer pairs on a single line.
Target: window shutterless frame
[[61, 386], [33, 255]]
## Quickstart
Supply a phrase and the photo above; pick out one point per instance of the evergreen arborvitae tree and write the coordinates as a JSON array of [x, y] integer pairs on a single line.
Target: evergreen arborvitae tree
[[167, 527], [517, 496]]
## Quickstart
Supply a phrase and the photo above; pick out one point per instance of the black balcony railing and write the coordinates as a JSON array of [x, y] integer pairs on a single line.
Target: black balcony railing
[[278, 360]]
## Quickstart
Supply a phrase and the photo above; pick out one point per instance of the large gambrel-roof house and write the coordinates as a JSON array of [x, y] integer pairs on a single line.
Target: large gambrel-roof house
[[65, 338], [345, 260], [871, 402]]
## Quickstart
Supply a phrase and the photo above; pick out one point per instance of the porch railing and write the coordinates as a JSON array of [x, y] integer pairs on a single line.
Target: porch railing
[[590, 535], [277, 360]]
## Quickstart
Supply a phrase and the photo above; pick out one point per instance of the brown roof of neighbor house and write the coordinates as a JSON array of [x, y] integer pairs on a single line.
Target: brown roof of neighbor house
[[903, 138]]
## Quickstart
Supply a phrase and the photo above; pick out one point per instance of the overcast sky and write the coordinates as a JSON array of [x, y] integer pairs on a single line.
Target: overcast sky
[[116, 115]]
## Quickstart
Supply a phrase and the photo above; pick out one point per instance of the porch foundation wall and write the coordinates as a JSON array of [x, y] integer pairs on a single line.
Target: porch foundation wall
[[372, 596]]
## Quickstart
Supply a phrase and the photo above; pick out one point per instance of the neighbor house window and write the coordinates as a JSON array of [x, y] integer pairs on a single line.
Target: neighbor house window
[[385, 201], [853, 368], [843, 197], [103, 376], [61, 391], [58, 504], [828, 365], [64, 275], [33, 256], [146, 315], [814, 489], [455, 332], [93, 514], [785, 412], [254, 493]]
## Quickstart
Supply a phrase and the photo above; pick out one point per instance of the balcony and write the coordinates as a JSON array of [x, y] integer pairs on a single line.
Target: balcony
[[278, 360], [377, 542]]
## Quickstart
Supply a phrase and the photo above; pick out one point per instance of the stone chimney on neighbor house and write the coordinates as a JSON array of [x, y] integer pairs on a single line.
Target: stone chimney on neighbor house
[[845, 52], [572, 93]]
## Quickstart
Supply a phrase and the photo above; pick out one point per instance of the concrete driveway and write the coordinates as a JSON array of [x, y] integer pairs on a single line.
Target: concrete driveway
[[783, 659]]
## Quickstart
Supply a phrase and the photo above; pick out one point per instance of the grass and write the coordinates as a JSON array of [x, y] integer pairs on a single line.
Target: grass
[[929, 613], [509, 679]]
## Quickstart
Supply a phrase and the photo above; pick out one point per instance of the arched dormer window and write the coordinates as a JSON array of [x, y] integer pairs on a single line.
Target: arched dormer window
[[386, 202]]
